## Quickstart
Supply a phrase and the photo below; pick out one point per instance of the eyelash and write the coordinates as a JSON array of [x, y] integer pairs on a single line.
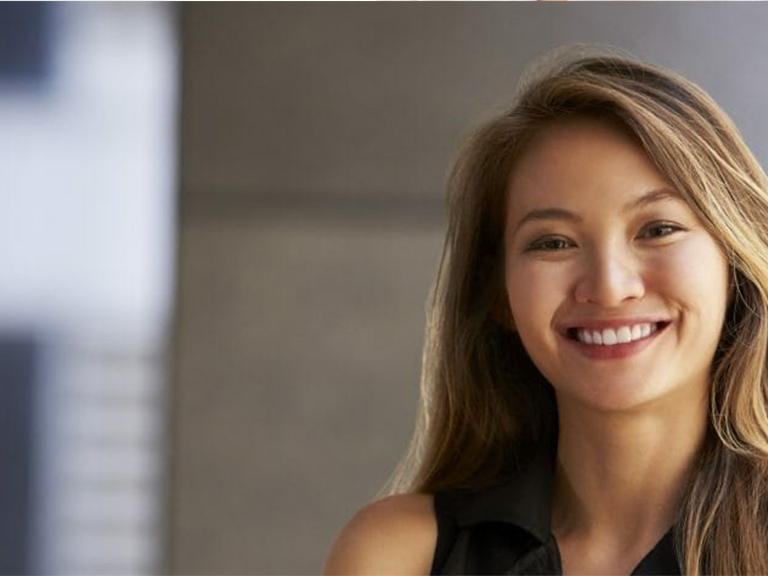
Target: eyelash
[[538, 245]]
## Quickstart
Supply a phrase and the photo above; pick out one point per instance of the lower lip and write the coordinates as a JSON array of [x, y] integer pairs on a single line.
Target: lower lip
[[599, 352]]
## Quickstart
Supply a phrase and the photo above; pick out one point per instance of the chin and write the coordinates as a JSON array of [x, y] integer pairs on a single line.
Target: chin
[[628, 397]]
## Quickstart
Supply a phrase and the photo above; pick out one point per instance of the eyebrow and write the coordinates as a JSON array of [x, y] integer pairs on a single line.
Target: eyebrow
[[562, 214]]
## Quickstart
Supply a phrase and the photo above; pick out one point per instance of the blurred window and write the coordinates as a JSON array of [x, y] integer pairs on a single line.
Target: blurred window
[[87, 188]]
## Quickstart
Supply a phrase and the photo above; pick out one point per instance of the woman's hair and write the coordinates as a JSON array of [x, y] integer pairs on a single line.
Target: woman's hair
[[485, 405]]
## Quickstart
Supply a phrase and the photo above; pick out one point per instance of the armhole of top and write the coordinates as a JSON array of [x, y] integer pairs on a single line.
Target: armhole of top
[[446, 531]]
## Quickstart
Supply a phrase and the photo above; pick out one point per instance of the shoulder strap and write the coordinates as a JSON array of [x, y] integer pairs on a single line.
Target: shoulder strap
[[446, 530]]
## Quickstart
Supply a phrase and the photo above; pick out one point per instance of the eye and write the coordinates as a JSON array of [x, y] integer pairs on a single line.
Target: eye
[[546, 244], [663, 226]]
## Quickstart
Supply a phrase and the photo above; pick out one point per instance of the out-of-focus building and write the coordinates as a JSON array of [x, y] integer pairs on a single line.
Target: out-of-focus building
[[87, 218]]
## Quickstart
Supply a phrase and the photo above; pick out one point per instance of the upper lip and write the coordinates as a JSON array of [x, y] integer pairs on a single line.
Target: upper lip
[[602, 323]]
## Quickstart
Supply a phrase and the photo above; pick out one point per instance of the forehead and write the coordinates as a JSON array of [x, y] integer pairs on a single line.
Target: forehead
[[581, 161]]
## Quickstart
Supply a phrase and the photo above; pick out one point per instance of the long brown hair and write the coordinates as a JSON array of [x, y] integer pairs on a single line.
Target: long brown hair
[[485, 404]]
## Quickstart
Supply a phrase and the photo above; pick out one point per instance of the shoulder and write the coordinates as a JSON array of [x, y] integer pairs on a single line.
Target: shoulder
[[394, 535]]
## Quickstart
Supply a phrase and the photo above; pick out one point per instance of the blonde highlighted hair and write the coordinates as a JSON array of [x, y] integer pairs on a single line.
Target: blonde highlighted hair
[[484, 405]]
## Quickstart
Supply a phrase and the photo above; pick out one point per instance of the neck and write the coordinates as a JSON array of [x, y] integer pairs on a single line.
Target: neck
[[620, 477]]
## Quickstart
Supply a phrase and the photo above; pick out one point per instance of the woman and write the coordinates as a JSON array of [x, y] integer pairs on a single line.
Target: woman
[[594, 389]]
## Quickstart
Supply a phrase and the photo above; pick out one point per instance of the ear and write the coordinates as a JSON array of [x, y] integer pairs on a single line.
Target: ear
[[502, 314]]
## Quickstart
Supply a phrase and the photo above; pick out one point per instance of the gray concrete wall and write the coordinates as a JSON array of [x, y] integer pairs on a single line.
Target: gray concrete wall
[[315, 142]]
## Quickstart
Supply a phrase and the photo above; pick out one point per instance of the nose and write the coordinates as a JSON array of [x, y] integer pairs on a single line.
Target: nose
[[609, 278]]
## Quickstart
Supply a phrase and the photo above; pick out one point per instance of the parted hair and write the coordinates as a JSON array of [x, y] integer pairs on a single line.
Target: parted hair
[[484, 404]]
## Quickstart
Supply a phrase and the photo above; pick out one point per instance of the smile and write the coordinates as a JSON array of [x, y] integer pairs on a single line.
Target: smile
[[611, 336], [612, 344]]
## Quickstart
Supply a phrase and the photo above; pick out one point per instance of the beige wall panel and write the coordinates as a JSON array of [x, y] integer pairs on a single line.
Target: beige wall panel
[[299, 354], [370, 99]]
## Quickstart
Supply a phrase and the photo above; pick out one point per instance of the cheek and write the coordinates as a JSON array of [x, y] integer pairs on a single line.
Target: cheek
[[694, 270], [535, 291]]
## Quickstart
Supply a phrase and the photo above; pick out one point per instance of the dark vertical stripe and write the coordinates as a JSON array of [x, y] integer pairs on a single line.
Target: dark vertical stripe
[[17, 382], [25, 52]]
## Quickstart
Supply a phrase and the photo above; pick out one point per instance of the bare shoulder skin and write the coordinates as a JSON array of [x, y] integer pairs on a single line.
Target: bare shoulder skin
[[395, 535]]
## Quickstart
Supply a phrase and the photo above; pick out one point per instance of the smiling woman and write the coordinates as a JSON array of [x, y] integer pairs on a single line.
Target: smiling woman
[[594, 387]]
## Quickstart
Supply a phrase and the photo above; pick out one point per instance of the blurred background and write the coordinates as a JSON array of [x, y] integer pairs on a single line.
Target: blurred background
[[219, 225], [88, 198]]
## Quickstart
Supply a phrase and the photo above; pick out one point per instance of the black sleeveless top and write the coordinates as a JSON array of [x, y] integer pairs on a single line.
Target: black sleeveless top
[[505, 529]]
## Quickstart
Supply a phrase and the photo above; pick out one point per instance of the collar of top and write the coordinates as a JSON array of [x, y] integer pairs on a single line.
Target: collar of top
[[524, 499]]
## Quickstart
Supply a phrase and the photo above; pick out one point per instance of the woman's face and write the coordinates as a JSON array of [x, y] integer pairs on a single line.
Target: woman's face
[[614, 261]]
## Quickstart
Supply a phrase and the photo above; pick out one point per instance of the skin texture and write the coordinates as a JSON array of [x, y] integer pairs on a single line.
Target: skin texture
[[395, 535], [630, 427]]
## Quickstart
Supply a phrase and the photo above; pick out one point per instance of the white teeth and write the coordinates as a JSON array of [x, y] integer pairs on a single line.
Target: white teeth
[[623, 335], [609, 336]]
